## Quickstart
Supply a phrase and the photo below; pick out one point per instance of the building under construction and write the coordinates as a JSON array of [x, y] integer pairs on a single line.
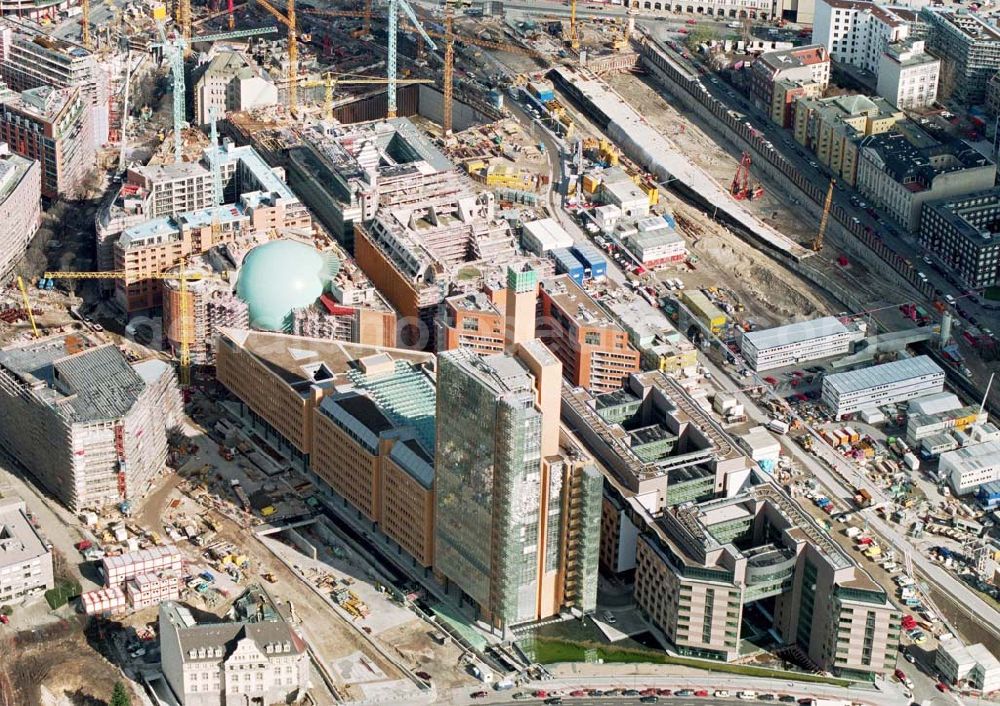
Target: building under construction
[[346, 173], [90, 426], [419, 254], [182, 220]]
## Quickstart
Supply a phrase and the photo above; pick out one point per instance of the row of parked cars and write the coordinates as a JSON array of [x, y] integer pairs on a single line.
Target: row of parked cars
[[650, 695]]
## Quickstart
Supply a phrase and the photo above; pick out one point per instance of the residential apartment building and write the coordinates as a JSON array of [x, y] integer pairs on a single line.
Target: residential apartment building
[[971, 466], [593, 349], [902, 170], [877, 385], [90, 426], [969, 49], [346, 173], [965, 233], [243, 661], [807, 67], [801, 342], [908, 76], [857, 32], [833, 128], [227, 83], [417, 255], [25, 560], [20, 206], [52, 126], [37, 58], [262, 203]]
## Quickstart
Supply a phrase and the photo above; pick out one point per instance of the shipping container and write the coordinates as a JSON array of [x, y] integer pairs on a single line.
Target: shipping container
[[592, 260], [567, 263]]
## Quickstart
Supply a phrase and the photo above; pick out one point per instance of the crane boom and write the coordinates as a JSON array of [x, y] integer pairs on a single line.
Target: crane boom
[[27, 305], [394, 8], [825, 218], [289, 21], [183, 277]]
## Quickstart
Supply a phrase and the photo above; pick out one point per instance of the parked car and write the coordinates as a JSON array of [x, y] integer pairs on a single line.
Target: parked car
[[478, 694]]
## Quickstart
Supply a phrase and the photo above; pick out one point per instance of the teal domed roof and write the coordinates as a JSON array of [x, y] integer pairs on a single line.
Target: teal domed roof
[[280, 276]]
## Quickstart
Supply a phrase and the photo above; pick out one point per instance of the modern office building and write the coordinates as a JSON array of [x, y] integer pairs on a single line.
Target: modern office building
[[969, 49], [800, 342], [20, 206], [773, 74], [857, 32], [52, 126], [902, 170], [708, 541], [229, 83], [969, 467], [908, 76], [964, 232], [888, 383], [257, 659], [594, 350], [474, 321], [833, 128], [359, 418], [702, 566], [25, 561], [517, 502], [90, 426]]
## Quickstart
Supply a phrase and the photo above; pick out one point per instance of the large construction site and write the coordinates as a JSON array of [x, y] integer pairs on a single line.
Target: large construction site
[[264, 220]]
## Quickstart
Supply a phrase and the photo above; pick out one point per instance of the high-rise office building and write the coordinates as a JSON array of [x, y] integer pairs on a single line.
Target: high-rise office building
[[517, 502]]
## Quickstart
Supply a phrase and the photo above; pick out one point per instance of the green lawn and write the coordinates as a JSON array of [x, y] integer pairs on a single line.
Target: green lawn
[[548, 651], [992, 293]]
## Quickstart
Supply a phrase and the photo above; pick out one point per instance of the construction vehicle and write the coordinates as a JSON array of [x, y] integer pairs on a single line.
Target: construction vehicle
[[742, 187], [825, 218]]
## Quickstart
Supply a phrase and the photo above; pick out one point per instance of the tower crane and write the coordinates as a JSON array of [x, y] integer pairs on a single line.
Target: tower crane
[[394, 8], [448, 77], [330, 81], [288, 19], [825, 218], [574, 37], [173, 49], [85, 24], [27, 305], [183, 277]]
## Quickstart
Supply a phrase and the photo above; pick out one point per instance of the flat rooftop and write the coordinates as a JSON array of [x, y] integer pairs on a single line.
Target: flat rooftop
[[885, 374], [575, 302], [974, 457], [19, 541], [798, 332]]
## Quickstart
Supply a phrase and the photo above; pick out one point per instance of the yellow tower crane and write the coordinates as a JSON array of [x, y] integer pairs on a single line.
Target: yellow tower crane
[[574, 37], [288, 19], [331, 80], [184, 360], [825, 218], [85, 23], [27, 305], [448, 76]]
